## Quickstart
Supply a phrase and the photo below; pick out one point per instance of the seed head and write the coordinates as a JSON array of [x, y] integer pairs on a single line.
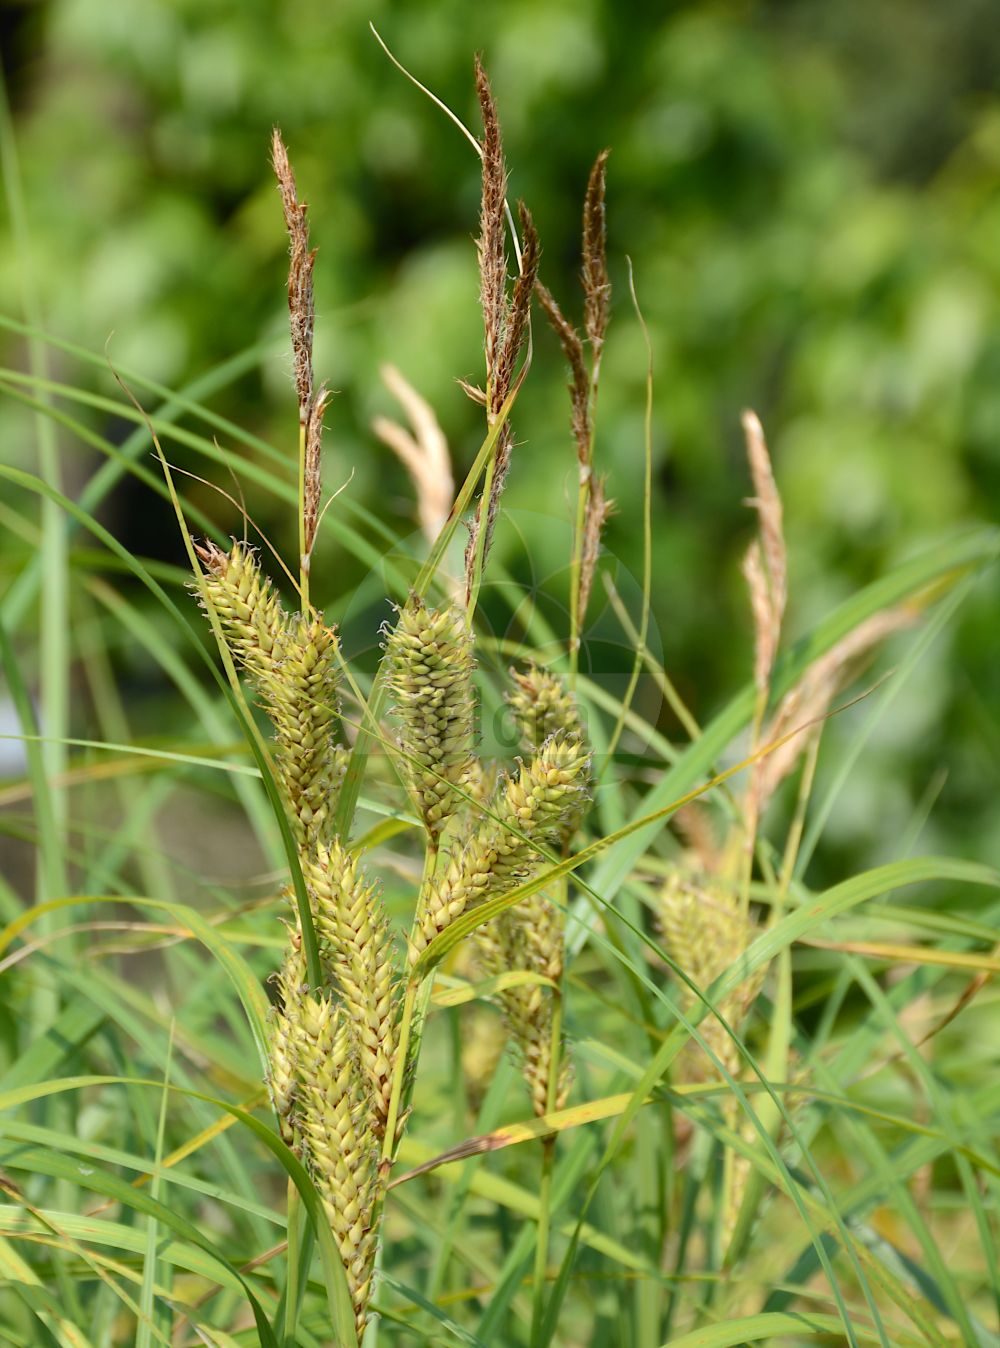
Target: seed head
[[430, 663], [530, 810], [765, 565], [292, 661], [706, 932], [301, 310], [246, 603], [542, 706], [300, 698], [356, 949], [492, 225], [529, 937], [579, 381], [341, 1147], [596, 284], [283, 1079]]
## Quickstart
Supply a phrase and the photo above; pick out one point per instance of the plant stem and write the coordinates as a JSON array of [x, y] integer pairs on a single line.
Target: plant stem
[[751, 820], [482, 517], [576, 567], [584, 481], [542, 1241], [647, 526], [549, 1143], [303, 557], [399, 1071], [404, 1051], [292, 1263]]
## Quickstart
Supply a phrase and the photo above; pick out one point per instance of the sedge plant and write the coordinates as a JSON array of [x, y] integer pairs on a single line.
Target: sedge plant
[[719, 1119]]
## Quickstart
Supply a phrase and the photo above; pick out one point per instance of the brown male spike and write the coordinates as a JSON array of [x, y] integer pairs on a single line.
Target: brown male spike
[[492, 225], [301, 307], [596, 282], [579, 382]]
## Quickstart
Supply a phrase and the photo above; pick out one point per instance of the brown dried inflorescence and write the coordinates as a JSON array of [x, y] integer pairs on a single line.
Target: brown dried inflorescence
[[596, 282], [765, 565], [599, 508], [301, 305], [505, 317], [302, 320], [579, 383], [594, 507], [492, 223], [804, 706]]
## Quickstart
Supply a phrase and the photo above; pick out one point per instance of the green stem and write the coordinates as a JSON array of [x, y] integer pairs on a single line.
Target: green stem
[[576, 567], [399, 1071], [584, 483], [482, 518], [750, 814], [292, 1256], [303, 557], [408, 1046], [647, 526], [542, 1241], [549, 1143], [660, 676]]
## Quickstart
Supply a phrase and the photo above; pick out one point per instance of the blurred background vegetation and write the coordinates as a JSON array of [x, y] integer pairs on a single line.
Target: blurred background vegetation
[[810, 196]]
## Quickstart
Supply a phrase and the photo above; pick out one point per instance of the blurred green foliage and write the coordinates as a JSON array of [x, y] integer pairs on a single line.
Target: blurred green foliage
[[810, 196]]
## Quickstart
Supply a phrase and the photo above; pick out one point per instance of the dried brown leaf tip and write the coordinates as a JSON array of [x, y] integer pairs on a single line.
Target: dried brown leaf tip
[[423, 450], [804, 706], [765, 565], [596, 283]]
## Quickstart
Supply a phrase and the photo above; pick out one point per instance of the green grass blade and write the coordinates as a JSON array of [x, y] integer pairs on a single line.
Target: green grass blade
[[148, 1324]]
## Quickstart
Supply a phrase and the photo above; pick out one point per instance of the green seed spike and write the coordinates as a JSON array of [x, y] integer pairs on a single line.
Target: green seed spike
[[341, 1146], [541, 706], [430, 665], [706, 932], [247, 604], [529, 938], [301, 700], [529, 810], [291, 659], [356, 947]]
